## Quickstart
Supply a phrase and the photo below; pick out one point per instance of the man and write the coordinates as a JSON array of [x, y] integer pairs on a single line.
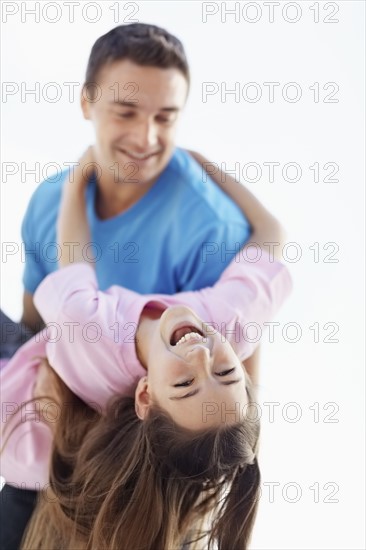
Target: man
[[156, 225]]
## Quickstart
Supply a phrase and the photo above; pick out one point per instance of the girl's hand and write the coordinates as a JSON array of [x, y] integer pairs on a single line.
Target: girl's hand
[[72, 223], [81, 174]]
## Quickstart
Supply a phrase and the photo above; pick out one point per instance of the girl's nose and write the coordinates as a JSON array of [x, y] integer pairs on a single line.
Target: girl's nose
[[200, 356]]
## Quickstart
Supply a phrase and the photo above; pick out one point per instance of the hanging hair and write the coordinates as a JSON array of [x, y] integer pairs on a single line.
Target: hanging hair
[[117, 482]]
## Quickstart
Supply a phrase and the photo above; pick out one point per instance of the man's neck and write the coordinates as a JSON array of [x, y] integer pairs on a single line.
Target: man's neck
[[115, 198]]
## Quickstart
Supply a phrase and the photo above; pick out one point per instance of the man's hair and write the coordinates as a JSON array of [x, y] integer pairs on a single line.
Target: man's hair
[[119, 482], [145, 45]]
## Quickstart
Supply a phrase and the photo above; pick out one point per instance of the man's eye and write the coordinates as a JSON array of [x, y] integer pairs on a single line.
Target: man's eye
[[164, 120], [225, 372], [125, 115], [182, 384]]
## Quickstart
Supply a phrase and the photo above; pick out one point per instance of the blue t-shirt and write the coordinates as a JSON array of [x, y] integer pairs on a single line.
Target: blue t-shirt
[[179, 236]]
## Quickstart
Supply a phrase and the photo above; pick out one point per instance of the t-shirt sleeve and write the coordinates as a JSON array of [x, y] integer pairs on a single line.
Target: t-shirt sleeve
[[248, 295], [211, 251], [86, 332], [33, 272]]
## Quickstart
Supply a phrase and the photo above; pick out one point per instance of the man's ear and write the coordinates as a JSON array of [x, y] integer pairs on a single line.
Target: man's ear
[[85, 104], [142, 398]]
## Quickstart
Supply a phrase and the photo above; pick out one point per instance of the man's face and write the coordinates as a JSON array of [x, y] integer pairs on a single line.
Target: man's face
[[135, 114]]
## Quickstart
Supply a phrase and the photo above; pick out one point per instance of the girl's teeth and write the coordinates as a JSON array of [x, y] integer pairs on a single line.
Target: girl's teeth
[[189, 336]]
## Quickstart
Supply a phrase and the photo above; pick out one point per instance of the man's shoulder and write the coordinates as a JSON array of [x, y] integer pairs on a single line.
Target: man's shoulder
[[199, 192], [184, 167], [49, 190]]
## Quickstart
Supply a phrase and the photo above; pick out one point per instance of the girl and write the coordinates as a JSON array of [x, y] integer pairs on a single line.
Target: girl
[[179, 445]]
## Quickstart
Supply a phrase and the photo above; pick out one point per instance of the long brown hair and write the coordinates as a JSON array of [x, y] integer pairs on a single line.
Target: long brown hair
[[117, 482]]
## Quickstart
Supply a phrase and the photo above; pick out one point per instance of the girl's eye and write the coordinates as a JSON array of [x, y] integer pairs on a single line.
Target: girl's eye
[[182, 384], [225, 372]]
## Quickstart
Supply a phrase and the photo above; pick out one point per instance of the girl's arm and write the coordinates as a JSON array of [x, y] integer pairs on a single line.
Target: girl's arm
[[252, 366], [266, 228], [72, 226], [92, 342], [75, 297]]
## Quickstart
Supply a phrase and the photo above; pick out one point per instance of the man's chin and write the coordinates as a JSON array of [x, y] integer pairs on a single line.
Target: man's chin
[[137, 177], [139, 173]]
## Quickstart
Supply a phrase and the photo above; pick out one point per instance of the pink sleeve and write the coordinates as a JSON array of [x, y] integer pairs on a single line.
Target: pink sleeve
[[247, 295], [86, 334], [26, 452]]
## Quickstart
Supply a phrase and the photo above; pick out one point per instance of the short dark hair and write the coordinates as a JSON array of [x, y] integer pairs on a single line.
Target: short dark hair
[[146, 45]]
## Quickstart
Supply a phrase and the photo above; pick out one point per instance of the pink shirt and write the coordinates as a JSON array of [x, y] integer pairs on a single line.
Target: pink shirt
[[89, 341]]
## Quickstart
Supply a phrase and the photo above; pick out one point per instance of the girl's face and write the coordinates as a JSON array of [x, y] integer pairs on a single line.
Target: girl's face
[[192, 372]]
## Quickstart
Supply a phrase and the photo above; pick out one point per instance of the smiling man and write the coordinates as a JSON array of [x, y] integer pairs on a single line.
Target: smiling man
[[156, 226], [135, 120]]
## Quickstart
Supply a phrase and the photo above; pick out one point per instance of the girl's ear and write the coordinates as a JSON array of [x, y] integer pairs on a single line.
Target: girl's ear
[[85, 105], [142, 398]]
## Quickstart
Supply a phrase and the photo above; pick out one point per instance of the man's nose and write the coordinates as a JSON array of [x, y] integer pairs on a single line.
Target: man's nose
[[146, 135]]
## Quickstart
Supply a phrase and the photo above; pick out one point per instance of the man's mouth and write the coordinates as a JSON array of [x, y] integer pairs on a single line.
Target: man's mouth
[[187, 333], [139, 157]]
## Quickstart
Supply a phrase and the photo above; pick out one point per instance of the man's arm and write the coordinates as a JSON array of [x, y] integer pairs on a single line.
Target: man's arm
[[31, 318]]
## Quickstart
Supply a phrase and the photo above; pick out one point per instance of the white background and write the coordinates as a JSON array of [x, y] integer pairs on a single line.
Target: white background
[[305, 452]]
